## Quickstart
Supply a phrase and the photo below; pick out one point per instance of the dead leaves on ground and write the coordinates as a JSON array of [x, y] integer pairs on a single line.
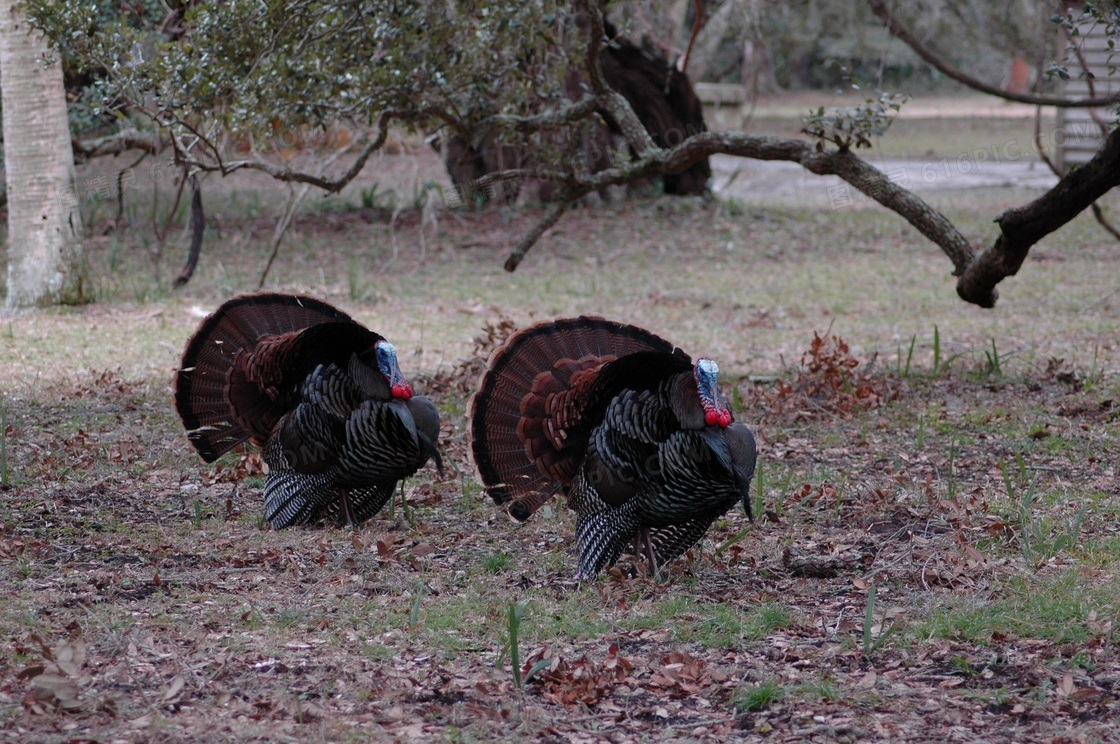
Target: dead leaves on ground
[[669, 685], [880, 515], [58, 681], [829, 381]]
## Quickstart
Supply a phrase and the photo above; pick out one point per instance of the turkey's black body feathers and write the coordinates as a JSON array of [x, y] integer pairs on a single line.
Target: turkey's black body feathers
[[302, 380], [611, 415]]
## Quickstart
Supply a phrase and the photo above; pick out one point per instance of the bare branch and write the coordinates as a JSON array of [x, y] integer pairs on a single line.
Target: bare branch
[[287, 173], [931, 58], [580, 109], [281, 228], [115, 144], [696, 26], [849, 167], [198, 225], [518, 174], [1103, 221], [554, 213]]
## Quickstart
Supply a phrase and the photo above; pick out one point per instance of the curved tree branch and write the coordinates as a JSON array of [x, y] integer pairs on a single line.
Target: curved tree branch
[[287, 173], [555, 212], [115, 144], [933, 60], [849, 167], [696, 25], [575, 111], [198, 225], [1022, 227]]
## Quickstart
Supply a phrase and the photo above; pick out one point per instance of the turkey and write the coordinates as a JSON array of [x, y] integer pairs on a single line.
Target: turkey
[[627, 426], [319, 392]]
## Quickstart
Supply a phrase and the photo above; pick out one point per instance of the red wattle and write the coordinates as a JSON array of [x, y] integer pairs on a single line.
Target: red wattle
[[711, 417], [724, 418], [401, 390]]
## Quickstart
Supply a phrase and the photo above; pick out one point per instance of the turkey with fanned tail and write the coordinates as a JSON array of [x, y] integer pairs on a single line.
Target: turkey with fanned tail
[[319, 392], [630, 429]]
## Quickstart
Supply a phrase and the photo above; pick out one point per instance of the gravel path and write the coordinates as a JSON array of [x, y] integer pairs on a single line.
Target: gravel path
[[990, 168]]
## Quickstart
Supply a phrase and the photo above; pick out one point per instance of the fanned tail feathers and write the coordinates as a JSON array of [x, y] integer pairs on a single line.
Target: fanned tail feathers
[[536, 403], [219, 393]]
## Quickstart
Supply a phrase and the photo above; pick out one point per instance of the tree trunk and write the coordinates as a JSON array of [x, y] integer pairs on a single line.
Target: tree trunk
[[45, 265]]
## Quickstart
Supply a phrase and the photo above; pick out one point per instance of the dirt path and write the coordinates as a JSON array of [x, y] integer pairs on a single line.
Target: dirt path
[[995, 167]]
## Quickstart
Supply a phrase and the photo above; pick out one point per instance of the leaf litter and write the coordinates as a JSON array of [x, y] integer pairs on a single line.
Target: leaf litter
[[145, 596]]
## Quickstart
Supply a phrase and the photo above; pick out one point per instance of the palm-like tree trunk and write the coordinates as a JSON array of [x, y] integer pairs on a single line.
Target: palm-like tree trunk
[[45, 264]]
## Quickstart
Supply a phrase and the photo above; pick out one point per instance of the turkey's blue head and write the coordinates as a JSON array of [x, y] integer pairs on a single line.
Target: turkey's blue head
[[387, 364], [707, 378]]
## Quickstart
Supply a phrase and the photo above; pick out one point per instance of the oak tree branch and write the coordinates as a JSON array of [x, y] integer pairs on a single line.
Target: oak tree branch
[[903, 34]]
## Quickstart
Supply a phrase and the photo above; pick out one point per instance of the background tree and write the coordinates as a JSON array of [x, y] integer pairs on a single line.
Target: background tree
[[487, 69], [44, 224]]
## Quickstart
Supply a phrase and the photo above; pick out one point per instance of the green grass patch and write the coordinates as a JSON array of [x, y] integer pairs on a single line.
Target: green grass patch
[[712, 625], [753, 698], [1054, 608]]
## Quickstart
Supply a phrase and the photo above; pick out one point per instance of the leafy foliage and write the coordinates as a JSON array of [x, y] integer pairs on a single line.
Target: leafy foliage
[[853, 126], [248, 67], [1079, 19]]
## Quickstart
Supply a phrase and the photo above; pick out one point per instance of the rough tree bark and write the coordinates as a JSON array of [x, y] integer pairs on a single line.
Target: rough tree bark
[[1022, 227], [45, 264]]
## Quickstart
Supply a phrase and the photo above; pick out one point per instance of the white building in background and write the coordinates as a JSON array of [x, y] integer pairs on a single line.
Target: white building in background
[[1082, 130]]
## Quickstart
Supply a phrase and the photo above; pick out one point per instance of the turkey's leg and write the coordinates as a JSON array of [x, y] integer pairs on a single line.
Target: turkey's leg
[[646, 544], [345, 511]]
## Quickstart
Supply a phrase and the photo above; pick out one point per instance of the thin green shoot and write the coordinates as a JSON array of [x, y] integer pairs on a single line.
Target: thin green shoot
[[513, 647], [465, 483], [1021, 464], [993, 368], [940, 366], [759, 490], [733, 540], [5, 474], [951, 482], [936, 351], [198, 514], [905, 371], [868, 618], [784, 491], [870, 646], [414, 614], [1092, 377], [406, 511]]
